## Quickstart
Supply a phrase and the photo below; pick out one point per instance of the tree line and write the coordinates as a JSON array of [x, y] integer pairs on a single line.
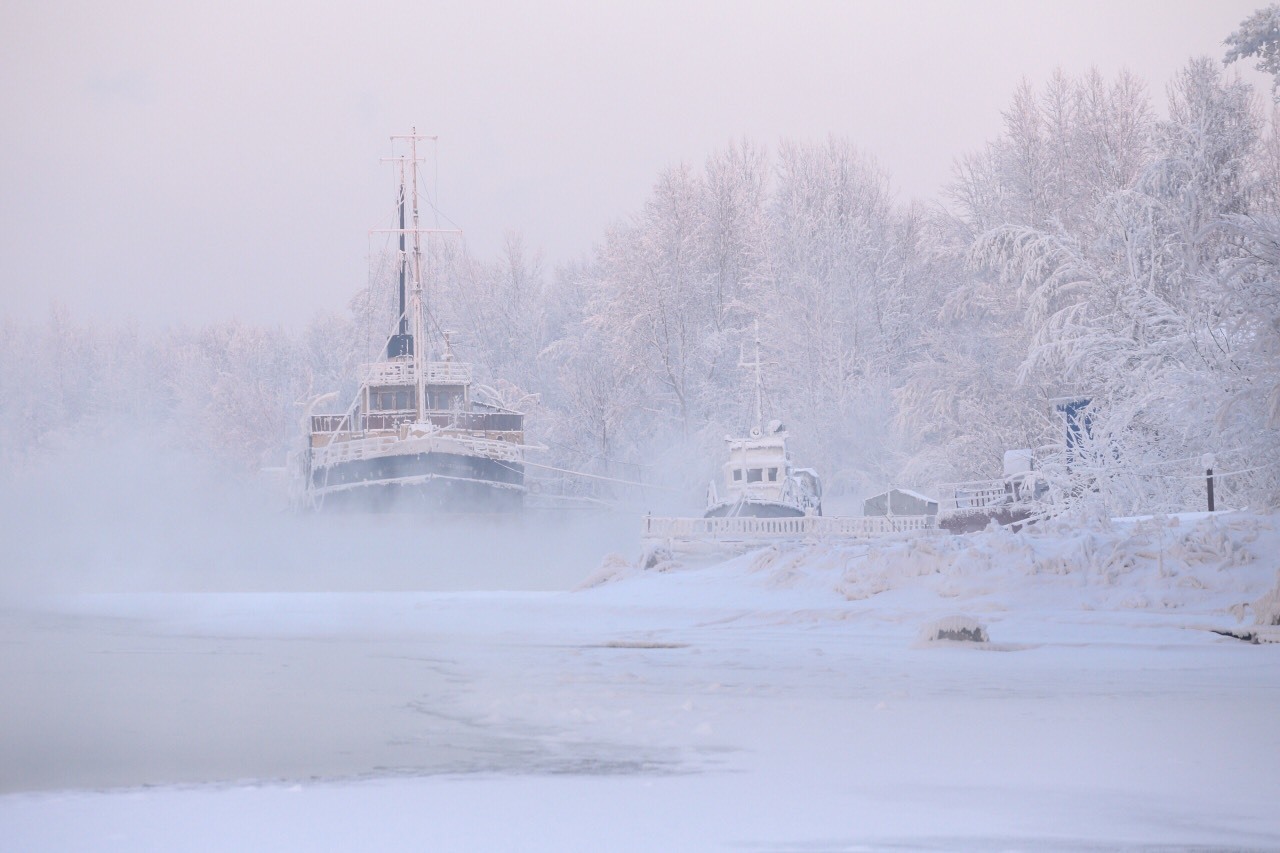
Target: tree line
[[1092, 252]]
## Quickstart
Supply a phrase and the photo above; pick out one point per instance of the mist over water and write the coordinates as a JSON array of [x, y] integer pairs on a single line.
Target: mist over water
[[127, 513], [165, 619]]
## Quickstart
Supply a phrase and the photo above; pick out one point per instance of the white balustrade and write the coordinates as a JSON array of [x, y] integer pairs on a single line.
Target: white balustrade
[[747, 527], [402, 373]]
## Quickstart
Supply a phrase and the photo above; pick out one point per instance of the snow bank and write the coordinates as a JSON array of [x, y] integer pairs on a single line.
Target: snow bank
[[1158, 563], [1202, 563]]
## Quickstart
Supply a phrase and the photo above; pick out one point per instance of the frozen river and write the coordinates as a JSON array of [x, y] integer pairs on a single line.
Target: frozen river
[[765, 703]]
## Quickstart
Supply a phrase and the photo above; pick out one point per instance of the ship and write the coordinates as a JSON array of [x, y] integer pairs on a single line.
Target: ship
[[416, 437], [758, 479]]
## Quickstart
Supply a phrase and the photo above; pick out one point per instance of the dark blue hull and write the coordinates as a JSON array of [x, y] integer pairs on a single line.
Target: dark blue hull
[[420, 482]]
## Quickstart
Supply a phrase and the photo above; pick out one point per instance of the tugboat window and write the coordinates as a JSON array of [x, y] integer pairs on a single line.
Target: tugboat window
[[755, 475], [773, 475], [402, 399], [737, 474]]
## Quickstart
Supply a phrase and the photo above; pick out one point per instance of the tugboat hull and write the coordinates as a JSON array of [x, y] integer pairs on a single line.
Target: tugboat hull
[[754, 509]]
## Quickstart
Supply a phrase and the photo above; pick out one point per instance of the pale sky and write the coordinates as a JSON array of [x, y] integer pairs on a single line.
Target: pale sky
[[173, 162]]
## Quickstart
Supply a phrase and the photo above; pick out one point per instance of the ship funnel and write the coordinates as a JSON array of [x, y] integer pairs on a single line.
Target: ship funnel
[[399, 345]]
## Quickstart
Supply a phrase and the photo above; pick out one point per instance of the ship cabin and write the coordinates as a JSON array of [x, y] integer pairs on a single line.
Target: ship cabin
[[757, 469], [388, 406]]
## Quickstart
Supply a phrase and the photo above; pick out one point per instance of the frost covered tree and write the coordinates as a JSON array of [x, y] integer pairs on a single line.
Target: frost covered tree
[[734, 227], [829, 294], [971, 391], [1089, 251], [665, 300], [1134, 312], [1259, 35]]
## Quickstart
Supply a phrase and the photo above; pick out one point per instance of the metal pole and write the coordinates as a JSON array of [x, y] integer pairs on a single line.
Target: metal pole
[[404, 261], [1207, 462], [420, 349], [759, 385]]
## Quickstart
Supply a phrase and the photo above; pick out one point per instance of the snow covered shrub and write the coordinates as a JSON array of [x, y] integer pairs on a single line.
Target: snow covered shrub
[[1266, 610], [658, 559], [956, 629], [613, 567]]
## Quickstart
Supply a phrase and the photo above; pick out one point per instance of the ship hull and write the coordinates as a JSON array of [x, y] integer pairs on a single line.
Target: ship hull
[[430, 481]]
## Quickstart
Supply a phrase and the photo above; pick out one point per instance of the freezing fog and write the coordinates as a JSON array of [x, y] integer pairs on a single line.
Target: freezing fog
[[123, 513], [1023, 273]]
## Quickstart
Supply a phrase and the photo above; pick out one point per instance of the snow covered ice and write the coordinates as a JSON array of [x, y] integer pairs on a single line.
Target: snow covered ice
[[777, 700]]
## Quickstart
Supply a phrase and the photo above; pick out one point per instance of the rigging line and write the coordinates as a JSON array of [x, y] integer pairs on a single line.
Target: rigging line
[[374, 274], [1186, 459], [1199, 476], [604, 502], [440, 214], [595, 476], [431, 202], [1141, 468], [1244, 470], [433, 198], [599, 456]]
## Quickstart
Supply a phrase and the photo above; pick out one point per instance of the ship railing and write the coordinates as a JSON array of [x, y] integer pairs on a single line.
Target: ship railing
[[479, 421], [744, 528], [378, 445], [352, 450], [332, 423], [982, 495], [402, 373], [474, 421]]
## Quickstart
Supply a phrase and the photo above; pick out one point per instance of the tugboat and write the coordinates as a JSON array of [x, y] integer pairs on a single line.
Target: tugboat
[[414, 438], [759, 480]]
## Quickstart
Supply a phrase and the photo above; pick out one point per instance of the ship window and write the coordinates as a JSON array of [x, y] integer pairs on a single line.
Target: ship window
[[773, 475], [443, 401], [402, 399], [737, 474], [754, 475]]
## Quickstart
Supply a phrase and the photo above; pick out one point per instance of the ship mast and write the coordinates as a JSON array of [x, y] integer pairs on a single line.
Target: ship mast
[[416, 315], [404, 263], [419, 338]]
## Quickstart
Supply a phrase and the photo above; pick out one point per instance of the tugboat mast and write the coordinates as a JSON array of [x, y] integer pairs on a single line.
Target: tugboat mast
[[758, 365]]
